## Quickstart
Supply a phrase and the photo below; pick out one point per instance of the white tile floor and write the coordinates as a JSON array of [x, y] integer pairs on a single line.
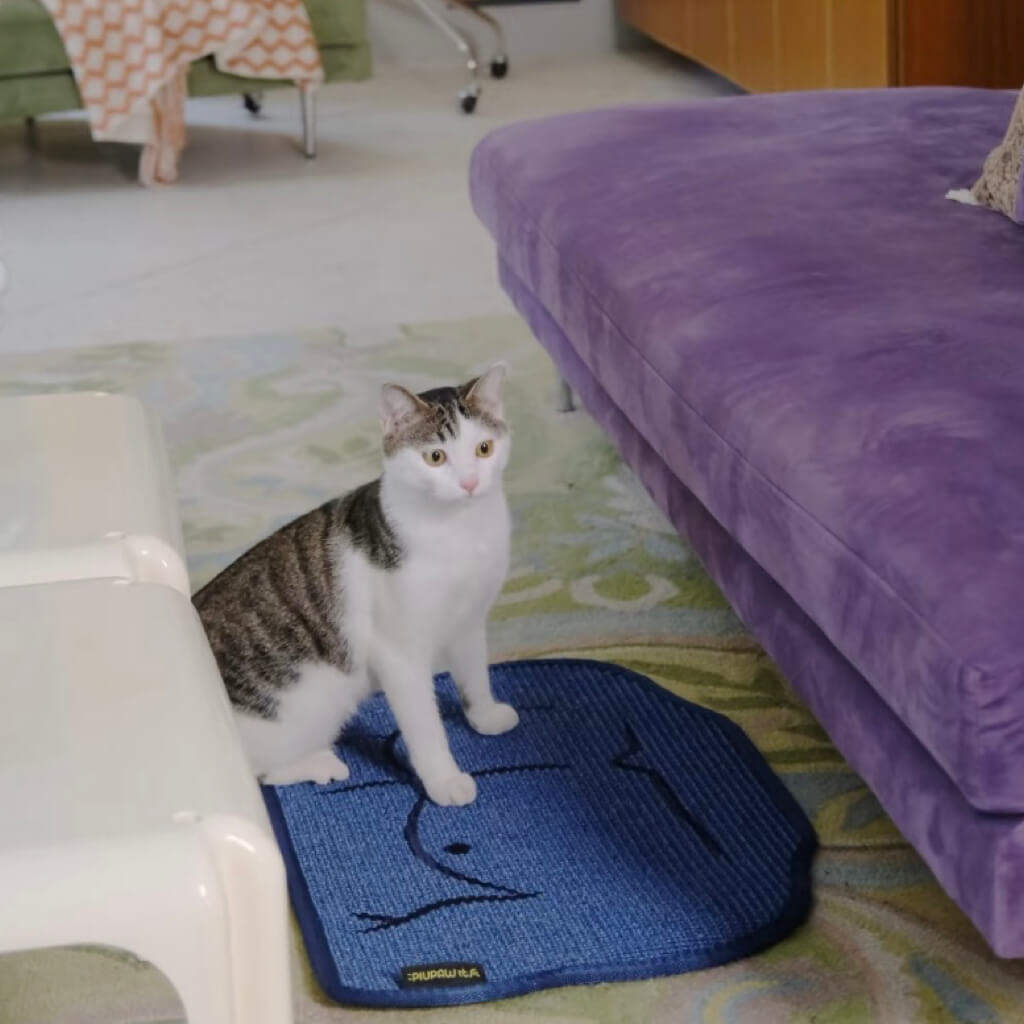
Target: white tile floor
[[377, 229]]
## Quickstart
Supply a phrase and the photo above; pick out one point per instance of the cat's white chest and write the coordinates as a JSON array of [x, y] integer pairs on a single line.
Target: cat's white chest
[[469, 558], [462, 575], [451, 572]]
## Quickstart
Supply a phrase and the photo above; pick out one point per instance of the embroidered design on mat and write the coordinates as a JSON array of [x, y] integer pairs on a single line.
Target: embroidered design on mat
[[495, 893]]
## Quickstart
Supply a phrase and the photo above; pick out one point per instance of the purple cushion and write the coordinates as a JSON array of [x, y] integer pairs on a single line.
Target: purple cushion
[[977, 857], [826, 352]]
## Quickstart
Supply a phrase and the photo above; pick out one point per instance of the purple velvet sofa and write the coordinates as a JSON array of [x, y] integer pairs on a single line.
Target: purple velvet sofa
[[815, 363]]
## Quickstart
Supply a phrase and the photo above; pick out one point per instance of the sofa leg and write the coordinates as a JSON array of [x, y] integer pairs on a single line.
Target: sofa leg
[[307, 95], [565, 401]]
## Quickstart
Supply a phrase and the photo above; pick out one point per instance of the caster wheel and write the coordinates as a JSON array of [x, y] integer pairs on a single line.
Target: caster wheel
[[499, 66], [252, 103], [467, 101]]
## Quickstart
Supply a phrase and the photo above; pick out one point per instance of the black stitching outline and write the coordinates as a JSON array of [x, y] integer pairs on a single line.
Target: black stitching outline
[[385, 922], [501, 893], [415, 844], [512, 768], [342, 787], [668, 794]]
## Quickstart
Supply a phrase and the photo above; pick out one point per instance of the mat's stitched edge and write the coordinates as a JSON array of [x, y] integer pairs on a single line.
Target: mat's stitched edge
[[794, 913]]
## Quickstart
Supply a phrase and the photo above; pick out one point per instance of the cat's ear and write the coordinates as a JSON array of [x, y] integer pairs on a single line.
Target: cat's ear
[[396, 406], [485, 391]]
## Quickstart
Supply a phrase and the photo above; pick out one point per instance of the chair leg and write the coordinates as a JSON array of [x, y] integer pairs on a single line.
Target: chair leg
[[466, 46], [31, 134], [499, 59], [307, 95]]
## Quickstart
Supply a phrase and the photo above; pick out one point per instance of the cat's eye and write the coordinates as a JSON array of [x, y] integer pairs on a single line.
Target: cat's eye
[[485, 449], [435, 457]]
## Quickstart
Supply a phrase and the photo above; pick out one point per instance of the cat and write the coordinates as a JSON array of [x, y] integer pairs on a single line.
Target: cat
[[377, 589]]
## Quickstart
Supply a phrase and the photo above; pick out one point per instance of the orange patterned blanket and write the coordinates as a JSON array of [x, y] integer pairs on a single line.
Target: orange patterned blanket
[[130, 59]]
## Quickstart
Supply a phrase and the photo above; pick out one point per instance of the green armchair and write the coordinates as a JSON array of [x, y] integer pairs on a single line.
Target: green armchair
[[35, 77]]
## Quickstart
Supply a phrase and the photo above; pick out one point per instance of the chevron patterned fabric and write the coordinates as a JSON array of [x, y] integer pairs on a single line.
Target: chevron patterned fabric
[[129, 58]]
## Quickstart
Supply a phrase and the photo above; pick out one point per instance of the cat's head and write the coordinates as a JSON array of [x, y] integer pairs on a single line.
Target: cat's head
[[449, 443]]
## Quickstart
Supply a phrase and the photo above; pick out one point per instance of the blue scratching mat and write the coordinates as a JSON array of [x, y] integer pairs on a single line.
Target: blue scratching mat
[[618, 833]]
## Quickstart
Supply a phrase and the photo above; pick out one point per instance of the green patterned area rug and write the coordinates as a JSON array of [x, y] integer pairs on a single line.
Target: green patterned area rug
[[262, 428]]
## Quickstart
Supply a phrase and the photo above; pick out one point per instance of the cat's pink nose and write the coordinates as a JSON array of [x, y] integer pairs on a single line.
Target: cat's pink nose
[[469, 484]]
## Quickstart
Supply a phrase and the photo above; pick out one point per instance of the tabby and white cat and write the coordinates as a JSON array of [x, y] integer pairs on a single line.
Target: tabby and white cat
[[377, 589]]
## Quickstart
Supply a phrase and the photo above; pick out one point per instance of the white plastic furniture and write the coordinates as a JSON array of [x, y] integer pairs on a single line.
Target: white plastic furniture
[[86, 492], [128, 813]]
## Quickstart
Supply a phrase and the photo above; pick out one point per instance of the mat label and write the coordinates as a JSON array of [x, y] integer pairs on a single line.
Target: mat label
[[442, 975]]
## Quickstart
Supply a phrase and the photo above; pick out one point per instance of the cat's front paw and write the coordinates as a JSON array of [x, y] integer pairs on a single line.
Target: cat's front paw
[[454, 790], [493, 719], [321, 767]]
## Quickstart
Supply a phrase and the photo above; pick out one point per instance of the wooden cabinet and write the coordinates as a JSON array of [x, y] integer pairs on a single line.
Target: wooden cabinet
[[776, 45]]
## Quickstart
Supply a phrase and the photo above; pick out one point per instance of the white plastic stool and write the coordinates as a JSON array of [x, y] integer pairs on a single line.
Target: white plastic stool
[[86, 492], [129, 815]]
